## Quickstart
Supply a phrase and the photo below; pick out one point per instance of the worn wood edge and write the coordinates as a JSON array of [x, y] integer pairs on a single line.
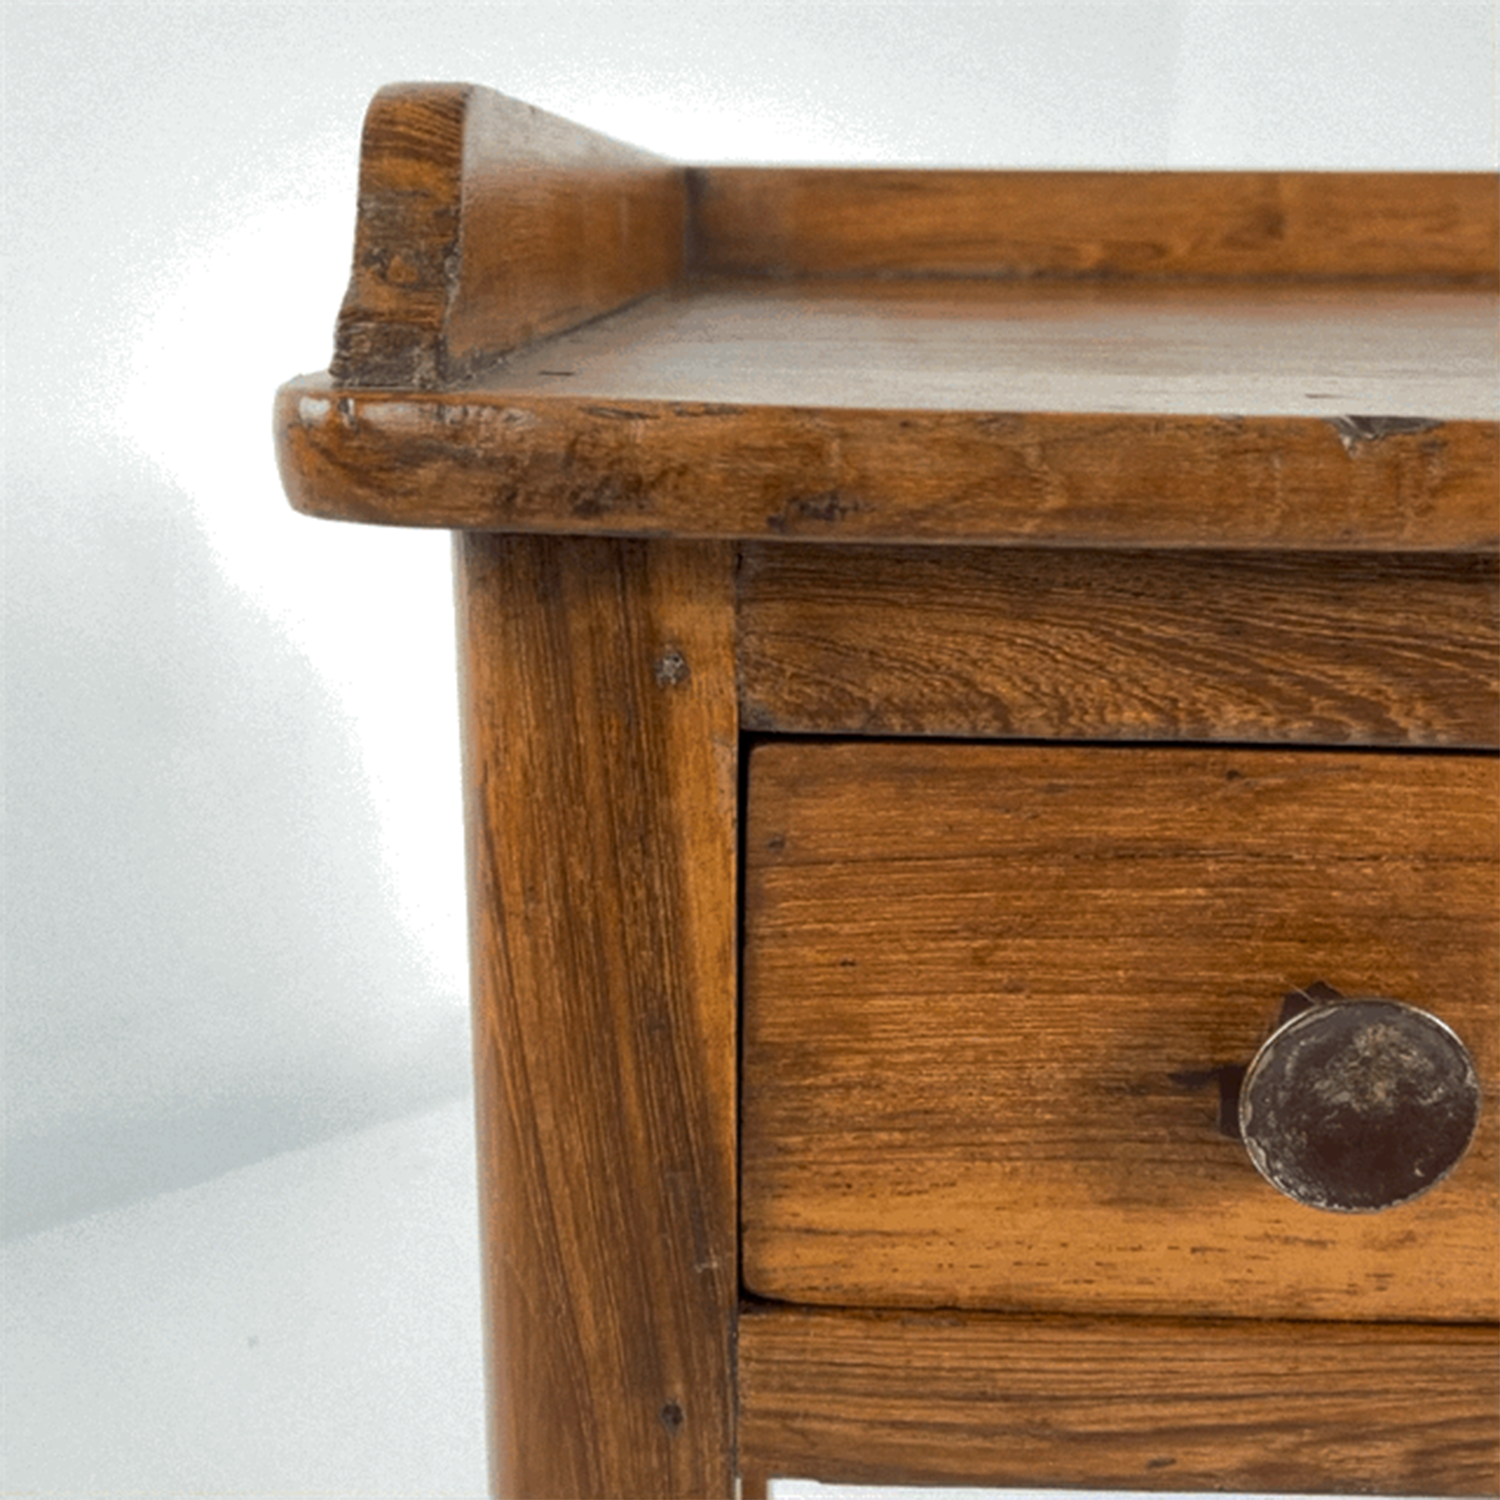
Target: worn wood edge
[[1127, 1403], [810, 222], [389, 328], [468, 461], [1375, 650], [484, 224]]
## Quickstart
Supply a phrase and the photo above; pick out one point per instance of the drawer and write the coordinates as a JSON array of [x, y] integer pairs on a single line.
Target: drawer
[[986, 985]]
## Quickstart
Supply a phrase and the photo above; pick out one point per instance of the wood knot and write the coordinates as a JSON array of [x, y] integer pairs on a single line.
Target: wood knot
[[671, 668]]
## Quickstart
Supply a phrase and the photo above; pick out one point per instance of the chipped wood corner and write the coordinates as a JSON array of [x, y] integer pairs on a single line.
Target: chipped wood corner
[[1354, 430], [484, 224], [389, 330]]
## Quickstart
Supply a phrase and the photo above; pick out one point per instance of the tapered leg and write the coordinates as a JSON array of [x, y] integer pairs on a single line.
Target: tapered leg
[[600, 751]]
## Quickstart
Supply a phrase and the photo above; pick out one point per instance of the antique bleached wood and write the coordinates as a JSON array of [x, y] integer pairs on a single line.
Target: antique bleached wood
[[944, 654]]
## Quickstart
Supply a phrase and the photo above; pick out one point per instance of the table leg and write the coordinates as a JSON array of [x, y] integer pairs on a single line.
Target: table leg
[[600, 752]]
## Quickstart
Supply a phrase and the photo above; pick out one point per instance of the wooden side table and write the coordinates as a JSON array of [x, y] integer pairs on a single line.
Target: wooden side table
[[944, 654]]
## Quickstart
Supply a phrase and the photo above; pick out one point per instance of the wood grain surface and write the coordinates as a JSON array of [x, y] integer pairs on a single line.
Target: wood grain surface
[[1127, 1403], [903, 222], [484, 224], [471, 460], [985, 987], [1239, 348], [1048, 644], [601, 783]]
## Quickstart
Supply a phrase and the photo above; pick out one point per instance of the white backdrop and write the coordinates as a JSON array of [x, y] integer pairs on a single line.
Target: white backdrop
[[233, 887]]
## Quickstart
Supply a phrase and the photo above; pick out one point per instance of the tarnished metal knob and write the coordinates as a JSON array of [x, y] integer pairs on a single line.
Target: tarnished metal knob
[[1358, 1104]]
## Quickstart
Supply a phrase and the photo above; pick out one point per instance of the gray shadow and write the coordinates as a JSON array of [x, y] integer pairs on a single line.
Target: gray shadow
[[205, 962]]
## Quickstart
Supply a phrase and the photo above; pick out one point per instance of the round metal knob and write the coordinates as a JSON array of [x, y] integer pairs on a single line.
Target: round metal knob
[[1359, 1105]]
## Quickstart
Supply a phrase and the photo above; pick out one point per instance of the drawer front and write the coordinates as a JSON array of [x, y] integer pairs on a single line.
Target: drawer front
[[985, 985]]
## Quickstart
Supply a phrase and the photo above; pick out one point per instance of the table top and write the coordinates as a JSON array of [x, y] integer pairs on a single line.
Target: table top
[[1319, 349], [548, 331]]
